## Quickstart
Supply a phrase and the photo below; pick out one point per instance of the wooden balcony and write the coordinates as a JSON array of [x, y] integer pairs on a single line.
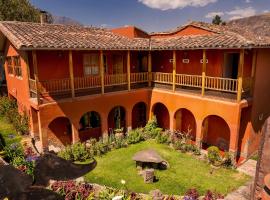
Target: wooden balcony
[[88, 85]]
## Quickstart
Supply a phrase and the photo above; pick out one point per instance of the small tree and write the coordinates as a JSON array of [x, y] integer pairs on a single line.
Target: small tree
[[217, 20]]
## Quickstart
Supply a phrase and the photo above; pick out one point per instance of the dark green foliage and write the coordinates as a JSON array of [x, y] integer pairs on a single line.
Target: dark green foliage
[[162, 138], [9, 110], [228, 160], [151, 129], [213, 155], [216, 20], [20, 10]]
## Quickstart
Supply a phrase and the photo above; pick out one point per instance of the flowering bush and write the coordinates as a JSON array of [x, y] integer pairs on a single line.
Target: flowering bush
[[191, 194], [213, 155], [72, 190], [135, 136], [212, 196]]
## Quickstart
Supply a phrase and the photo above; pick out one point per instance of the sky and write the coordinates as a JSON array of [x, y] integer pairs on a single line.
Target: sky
[[151, 15]]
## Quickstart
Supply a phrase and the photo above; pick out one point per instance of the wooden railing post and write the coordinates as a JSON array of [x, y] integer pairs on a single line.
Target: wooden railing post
[[149, 69], [34, 56], [101, 66], [128, 69], [240, 75], [174, 69], [71, 73], [203, 72]]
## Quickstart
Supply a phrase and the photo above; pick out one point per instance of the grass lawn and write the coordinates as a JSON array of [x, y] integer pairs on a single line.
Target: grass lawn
[[185, 172], [8, 133]]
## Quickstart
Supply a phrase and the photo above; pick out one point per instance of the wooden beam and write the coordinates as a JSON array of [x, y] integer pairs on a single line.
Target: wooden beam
[[34, 58], [128, 69], [149, 69], [71, 73], [101, 67], [253, 71], [174, 69], [240, 75], [203, 72]]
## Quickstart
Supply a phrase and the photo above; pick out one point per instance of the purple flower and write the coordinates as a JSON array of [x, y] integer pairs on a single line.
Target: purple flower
[[31, 158], [14, 146]]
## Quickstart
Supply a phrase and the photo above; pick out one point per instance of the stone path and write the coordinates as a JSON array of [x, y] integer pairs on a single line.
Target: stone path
[[243, 192]]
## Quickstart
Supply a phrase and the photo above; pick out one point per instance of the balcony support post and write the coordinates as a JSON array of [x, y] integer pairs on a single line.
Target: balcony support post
[[203, 72], [149, 69], [34, 58], [240, 75], [71, 74], [128, 69], [174, 69], [254, 62], [101, 66]]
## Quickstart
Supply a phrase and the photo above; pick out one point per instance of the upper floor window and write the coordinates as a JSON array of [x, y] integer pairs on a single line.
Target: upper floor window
[[91, 64], [9, 65], [17, 66]]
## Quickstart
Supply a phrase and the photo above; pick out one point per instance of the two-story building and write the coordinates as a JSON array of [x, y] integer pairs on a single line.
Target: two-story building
[[81, 82]]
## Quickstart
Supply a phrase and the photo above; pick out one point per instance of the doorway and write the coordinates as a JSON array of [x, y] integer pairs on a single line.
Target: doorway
[[117, 63], [230, 69]]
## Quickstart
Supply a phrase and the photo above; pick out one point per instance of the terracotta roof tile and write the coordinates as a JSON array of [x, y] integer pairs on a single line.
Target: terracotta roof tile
[[29, 36]]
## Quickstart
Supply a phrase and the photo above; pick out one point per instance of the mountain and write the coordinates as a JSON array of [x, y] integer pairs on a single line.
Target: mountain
[[258, 24], [65, 20]]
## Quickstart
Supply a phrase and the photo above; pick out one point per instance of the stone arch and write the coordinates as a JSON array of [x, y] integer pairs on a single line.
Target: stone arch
[[139, 112], [117, 118], [60, 131], [216, 132], [90, 126], [185, 122], [162, 114]]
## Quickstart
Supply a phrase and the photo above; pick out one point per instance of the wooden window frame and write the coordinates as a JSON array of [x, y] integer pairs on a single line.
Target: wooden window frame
[[17, 66], [10, 69], [90, 65]]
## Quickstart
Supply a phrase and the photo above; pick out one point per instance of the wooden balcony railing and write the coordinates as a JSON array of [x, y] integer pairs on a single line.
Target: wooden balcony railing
[[159, 77], [221, 84], [115, 79], [54, 86], [87, 82], [32, 86], [139, 77], [188, 80]]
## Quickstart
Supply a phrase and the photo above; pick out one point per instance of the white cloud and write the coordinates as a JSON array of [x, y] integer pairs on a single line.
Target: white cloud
[[241, 12], [174, 4], [248, 1], [266, 11], [213, 14]]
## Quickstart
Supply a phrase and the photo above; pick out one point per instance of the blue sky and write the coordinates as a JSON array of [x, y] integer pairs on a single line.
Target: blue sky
[[150, 15]]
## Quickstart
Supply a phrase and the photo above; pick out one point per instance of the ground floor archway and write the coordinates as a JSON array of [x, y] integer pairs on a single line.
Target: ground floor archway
[[90, 126], [216, 132], [139, 115], [117, 119], [185, 122], [162, 114], [60, 131]]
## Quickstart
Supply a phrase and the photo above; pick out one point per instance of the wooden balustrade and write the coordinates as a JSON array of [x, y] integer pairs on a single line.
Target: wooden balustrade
[[139, 77], [221, 84], [115, 79], [159, 77], [55, 86], [188, 80], [32, 85], [87, 82]]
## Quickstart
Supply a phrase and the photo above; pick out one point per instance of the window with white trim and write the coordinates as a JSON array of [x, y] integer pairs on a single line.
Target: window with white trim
[[91, 64]]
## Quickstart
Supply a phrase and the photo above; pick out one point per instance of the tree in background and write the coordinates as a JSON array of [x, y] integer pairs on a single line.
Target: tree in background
[[20, 10], [217, 20]]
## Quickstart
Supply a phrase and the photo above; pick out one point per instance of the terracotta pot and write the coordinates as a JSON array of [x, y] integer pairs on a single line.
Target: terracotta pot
[[266, 190]]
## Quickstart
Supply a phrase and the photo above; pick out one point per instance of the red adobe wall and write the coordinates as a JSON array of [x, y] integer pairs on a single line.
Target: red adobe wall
[[131, 32], [189, 30]]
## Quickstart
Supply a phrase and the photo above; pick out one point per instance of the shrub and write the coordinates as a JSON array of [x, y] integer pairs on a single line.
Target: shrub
[[162, 138], [151, 129], [191, 194], [9, 109], [135, 136], [213, 155], [228, 160], [75, 152]]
